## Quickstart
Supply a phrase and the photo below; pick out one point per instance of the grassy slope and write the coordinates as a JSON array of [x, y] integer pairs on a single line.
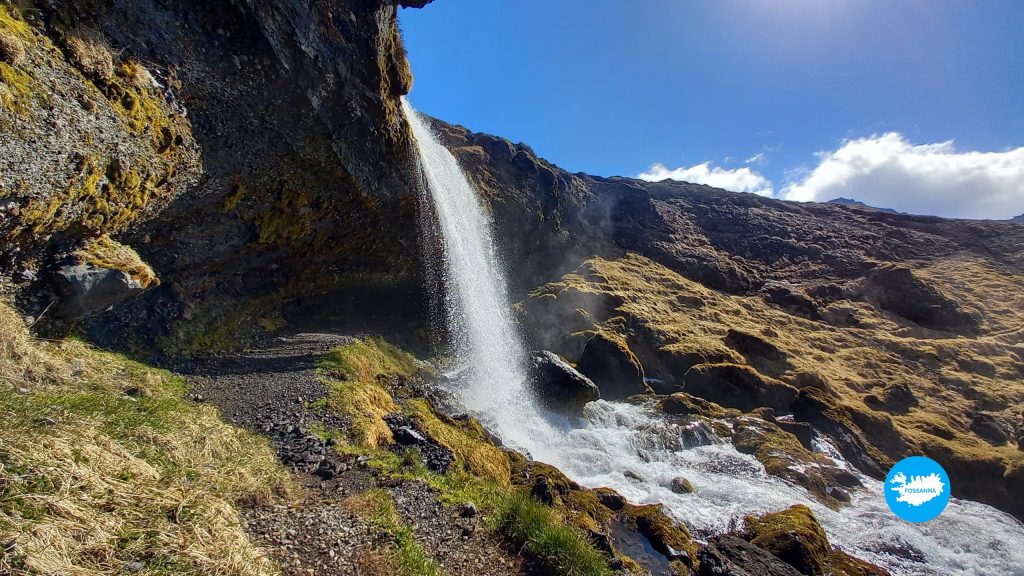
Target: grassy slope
[[102, 464], [359, 374], [950, 376]]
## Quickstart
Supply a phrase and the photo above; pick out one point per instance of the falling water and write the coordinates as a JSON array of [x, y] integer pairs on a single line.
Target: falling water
[[487, 347], [615, 438]]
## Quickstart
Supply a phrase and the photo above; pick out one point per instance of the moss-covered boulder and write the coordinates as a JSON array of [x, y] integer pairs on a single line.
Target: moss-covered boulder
[[792, 535], [609, 362], [737, 386]]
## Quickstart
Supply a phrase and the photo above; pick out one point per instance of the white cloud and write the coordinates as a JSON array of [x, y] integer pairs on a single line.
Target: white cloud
[[738, 180], [755, 159], [888, 171]]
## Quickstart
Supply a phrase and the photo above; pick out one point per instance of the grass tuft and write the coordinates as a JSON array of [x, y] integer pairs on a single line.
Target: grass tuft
[[105, 252], [562, 549]]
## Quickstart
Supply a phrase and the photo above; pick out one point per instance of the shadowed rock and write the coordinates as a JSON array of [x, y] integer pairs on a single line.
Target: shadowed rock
[[558, 384], [613, 367]]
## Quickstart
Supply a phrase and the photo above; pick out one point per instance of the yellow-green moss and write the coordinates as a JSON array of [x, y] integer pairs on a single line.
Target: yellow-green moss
[[15, 90], [468, 443], [794, 536], [105, 252]]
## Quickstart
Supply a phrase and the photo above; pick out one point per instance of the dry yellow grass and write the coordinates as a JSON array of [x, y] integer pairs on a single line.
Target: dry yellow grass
[[356, 372], [106, 252], [102, 464], [90, 52]]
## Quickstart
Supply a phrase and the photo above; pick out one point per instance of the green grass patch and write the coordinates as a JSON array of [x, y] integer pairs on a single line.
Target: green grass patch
[[377, 507], [563, 550]]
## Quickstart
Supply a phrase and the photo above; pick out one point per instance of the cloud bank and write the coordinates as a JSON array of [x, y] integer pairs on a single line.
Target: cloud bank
[[738, 180], [888, 171]]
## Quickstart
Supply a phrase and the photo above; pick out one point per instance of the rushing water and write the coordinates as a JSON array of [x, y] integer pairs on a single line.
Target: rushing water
[[613, 438]]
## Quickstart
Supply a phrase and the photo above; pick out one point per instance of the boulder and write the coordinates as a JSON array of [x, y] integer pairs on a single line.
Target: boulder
[[613, 367], [735, 386], [681, 485], [558, 384], [683, 404], [85, 290], [728, 555], [793, 536]]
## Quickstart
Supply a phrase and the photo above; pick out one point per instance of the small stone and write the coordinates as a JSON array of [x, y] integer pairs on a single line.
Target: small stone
[[468, 510], [681, 485], [633, 476], [133, 567]]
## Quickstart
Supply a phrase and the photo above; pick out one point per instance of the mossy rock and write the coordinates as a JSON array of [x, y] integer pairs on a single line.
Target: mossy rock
[[667, 536], [683, 404], [793, 536], [784, 455]]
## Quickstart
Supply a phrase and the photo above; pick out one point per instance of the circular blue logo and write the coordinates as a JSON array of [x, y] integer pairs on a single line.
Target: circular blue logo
[[917, 489]]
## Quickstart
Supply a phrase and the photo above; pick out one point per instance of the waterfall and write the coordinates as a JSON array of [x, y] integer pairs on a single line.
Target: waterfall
[[487, 348], [632, 448]]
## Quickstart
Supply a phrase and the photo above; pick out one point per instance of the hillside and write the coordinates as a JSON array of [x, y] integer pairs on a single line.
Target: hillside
[[231, 190], [893, 334]]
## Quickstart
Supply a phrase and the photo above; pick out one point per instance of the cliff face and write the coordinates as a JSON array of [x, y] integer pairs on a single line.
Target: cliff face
[[249, 151], [892, 334]]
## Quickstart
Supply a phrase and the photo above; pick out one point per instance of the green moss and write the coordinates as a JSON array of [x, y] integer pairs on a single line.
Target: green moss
[[793, 536], [15, 90]]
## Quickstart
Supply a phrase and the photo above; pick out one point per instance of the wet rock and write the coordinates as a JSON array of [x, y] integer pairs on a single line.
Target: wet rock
[[667, 536], [544, 492], [558, 384], [610, 499], [681, 485], [754, 348], [468, 510], [793, 536], [633, 475], [85, 290], [736, 386], [991, 429], [613, 367], [728, 555], [896, 398]]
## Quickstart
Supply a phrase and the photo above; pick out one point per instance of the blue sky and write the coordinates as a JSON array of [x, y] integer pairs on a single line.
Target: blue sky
[[791, 98]]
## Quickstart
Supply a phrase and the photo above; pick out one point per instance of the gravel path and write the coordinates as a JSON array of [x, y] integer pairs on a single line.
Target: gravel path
[[266, 390]]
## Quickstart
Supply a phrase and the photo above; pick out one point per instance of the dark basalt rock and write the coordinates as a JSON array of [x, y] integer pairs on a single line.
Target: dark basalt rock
[[728, 555], [85, 290], [558, 384], [613, 367]]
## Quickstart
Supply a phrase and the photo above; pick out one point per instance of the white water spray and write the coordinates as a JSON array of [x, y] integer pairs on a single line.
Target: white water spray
[[487, 345], [968, 538]]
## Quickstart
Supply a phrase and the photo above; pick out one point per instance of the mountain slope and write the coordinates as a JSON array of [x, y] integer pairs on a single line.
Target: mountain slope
[[893, 334]]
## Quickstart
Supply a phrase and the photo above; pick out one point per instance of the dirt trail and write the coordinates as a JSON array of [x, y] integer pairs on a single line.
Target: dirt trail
[[267, 390]]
